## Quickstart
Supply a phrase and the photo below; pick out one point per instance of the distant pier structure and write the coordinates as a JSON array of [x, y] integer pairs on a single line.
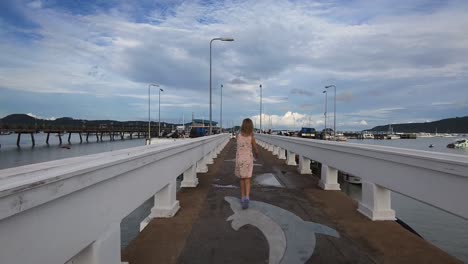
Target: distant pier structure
[[86, 133]]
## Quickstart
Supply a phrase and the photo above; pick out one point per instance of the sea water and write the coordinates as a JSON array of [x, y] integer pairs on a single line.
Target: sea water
[[446, 231]]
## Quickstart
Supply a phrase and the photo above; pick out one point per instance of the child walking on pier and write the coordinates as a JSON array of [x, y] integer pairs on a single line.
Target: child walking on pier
[[244, 159]]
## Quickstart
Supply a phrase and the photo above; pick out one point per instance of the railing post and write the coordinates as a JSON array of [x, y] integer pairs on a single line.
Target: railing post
[[376, 202], [190, 177], [281, 153], [214, 153], [275, 150], [270, 147], [165, 203], [304, 166], [329, 178], [291, 158], [104, 250], [209, 158], [201, 166], [219, 148], [260, 143]]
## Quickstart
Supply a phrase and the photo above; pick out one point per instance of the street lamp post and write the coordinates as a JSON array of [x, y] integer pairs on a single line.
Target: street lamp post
[[221, 39], [159, 112], [260, 108], [149, 112], [221, 112], [325, 113], [334, 108]]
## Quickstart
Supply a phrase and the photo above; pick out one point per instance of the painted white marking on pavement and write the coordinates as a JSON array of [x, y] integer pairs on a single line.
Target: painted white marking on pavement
[[300, 234]]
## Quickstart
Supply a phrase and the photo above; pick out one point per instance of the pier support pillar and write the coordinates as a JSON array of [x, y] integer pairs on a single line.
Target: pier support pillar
[[81, 137], [18, 140], [329, 179], [304, 166], [97, 137], [47, 139], [104, 250], [60, 138], [69, 138], [376, 202], [201, 166], [190, 177], [32, 139], [87, 136], [291, 158], [281, 154]]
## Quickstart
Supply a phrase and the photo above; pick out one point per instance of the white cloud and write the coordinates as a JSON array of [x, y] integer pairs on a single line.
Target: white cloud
[[289, 120], [40, 117], [35, 4]]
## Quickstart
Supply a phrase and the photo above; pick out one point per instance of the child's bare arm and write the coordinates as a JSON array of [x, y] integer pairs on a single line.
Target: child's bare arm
[[254, 147]]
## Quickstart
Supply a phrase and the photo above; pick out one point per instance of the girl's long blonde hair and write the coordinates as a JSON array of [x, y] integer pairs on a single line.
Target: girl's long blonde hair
[[247, 127]]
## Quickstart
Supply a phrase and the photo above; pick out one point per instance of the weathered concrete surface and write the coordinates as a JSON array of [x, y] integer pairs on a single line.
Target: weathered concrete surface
[[199, 233], [164, 238]]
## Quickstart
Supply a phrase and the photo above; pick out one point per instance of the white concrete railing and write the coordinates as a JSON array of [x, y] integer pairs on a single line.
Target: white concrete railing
[[437, 179], [69, 210]]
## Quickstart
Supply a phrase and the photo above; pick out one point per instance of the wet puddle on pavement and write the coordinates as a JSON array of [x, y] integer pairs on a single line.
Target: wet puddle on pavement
[[267, 179]]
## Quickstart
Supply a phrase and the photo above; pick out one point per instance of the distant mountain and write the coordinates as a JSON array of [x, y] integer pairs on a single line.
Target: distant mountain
[[449, 125], [18, 119]]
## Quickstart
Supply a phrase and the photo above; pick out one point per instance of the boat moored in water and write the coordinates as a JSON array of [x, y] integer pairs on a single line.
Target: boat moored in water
[[393, 136], [459, 143]]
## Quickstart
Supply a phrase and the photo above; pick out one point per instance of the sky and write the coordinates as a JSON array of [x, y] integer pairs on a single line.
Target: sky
[[393, 61]]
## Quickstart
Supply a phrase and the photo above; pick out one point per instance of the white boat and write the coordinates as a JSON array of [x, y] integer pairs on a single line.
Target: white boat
[[424, 135], [393, 136], [340, 137], [367, 135], [459, 143]]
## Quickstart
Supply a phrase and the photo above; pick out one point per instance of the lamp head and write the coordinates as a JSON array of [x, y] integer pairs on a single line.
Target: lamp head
[[154, 84], [329, 86], [226, 39], [161, 90], [324, 91]]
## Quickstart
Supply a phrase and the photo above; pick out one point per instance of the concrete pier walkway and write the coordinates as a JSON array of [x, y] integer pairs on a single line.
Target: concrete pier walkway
[[290, 220]]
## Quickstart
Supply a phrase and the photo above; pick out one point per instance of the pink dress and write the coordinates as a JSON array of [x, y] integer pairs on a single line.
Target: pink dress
[[244, 157]]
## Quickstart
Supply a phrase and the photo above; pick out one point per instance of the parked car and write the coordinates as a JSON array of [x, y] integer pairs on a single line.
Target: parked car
[[307, 132]]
